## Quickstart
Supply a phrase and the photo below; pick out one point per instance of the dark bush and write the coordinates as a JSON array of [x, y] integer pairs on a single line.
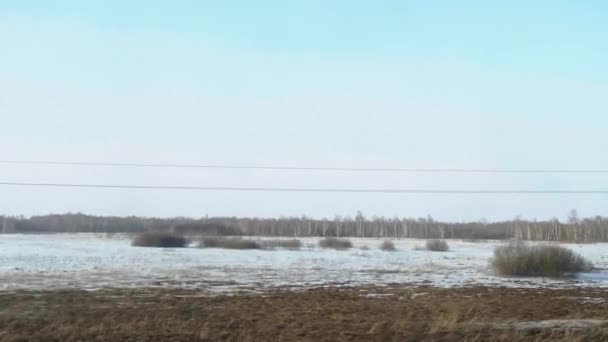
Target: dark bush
[[229, 243], [335, 243], [387, 245], [159, 240], [521, 259], [437, 245]]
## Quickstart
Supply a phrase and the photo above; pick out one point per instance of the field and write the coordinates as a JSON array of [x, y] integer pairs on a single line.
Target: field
[[89, 261], [88, 286], [325, 314]]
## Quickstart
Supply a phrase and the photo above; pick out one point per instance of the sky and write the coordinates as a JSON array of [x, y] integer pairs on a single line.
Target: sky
[[405, 84]]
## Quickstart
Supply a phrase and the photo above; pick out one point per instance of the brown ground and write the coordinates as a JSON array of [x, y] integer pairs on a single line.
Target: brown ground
[[354, 314]]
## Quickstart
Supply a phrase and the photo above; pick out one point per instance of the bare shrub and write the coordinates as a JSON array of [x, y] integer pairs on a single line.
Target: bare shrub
[[278, 243], [159, 240], [228, 243], [335, 243], [387, 245], [521, 259], [364, 248], [437, 245]]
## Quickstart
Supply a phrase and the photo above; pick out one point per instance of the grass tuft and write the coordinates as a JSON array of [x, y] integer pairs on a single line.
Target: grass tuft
[[437, 245], [388, 245], [228, 243], [159, 240], [521, 259], [279, 243], [335, 243]]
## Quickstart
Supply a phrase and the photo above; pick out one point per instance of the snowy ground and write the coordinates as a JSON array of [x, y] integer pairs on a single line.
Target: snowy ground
[[92, 261]]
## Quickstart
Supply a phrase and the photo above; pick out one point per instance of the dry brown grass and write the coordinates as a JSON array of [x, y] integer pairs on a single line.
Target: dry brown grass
[[323, 314], [388, 245], [436, 245], [335, 243], [522, 259], [445, 322], [159, 240], [228, 243]]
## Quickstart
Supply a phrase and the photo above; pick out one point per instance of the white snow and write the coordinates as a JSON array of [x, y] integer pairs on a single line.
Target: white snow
[[92, 261]]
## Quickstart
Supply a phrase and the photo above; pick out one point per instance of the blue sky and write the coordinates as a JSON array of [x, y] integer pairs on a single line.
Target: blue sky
[[332, 83]]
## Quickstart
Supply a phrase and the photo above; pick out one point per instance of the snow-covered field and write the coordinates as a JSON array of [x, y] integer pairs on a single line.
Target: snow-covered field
[[91, 261]]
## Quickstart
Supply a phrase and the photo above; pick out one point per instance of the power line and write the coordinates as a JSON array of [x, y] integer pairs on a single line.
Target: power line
[[301, 168], [327, 190]]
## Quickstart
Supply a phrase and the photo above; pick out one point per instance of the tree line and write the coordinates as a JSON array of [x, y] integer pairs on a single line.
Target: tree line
[[574, 230]]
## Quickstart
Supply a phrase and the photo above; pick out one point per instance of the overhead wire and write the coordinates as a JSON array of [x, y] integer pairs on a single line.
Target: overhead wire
[[327, 190], [304, 168]]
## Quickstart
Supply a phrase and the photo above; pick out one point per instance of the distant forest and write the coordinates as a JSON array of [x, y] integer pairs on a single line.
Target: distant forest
[[575, 230]]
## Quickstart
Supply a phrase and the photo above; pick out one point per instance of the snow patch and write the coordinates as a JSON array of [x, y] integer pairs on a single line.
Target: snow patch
[[95, 261]]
